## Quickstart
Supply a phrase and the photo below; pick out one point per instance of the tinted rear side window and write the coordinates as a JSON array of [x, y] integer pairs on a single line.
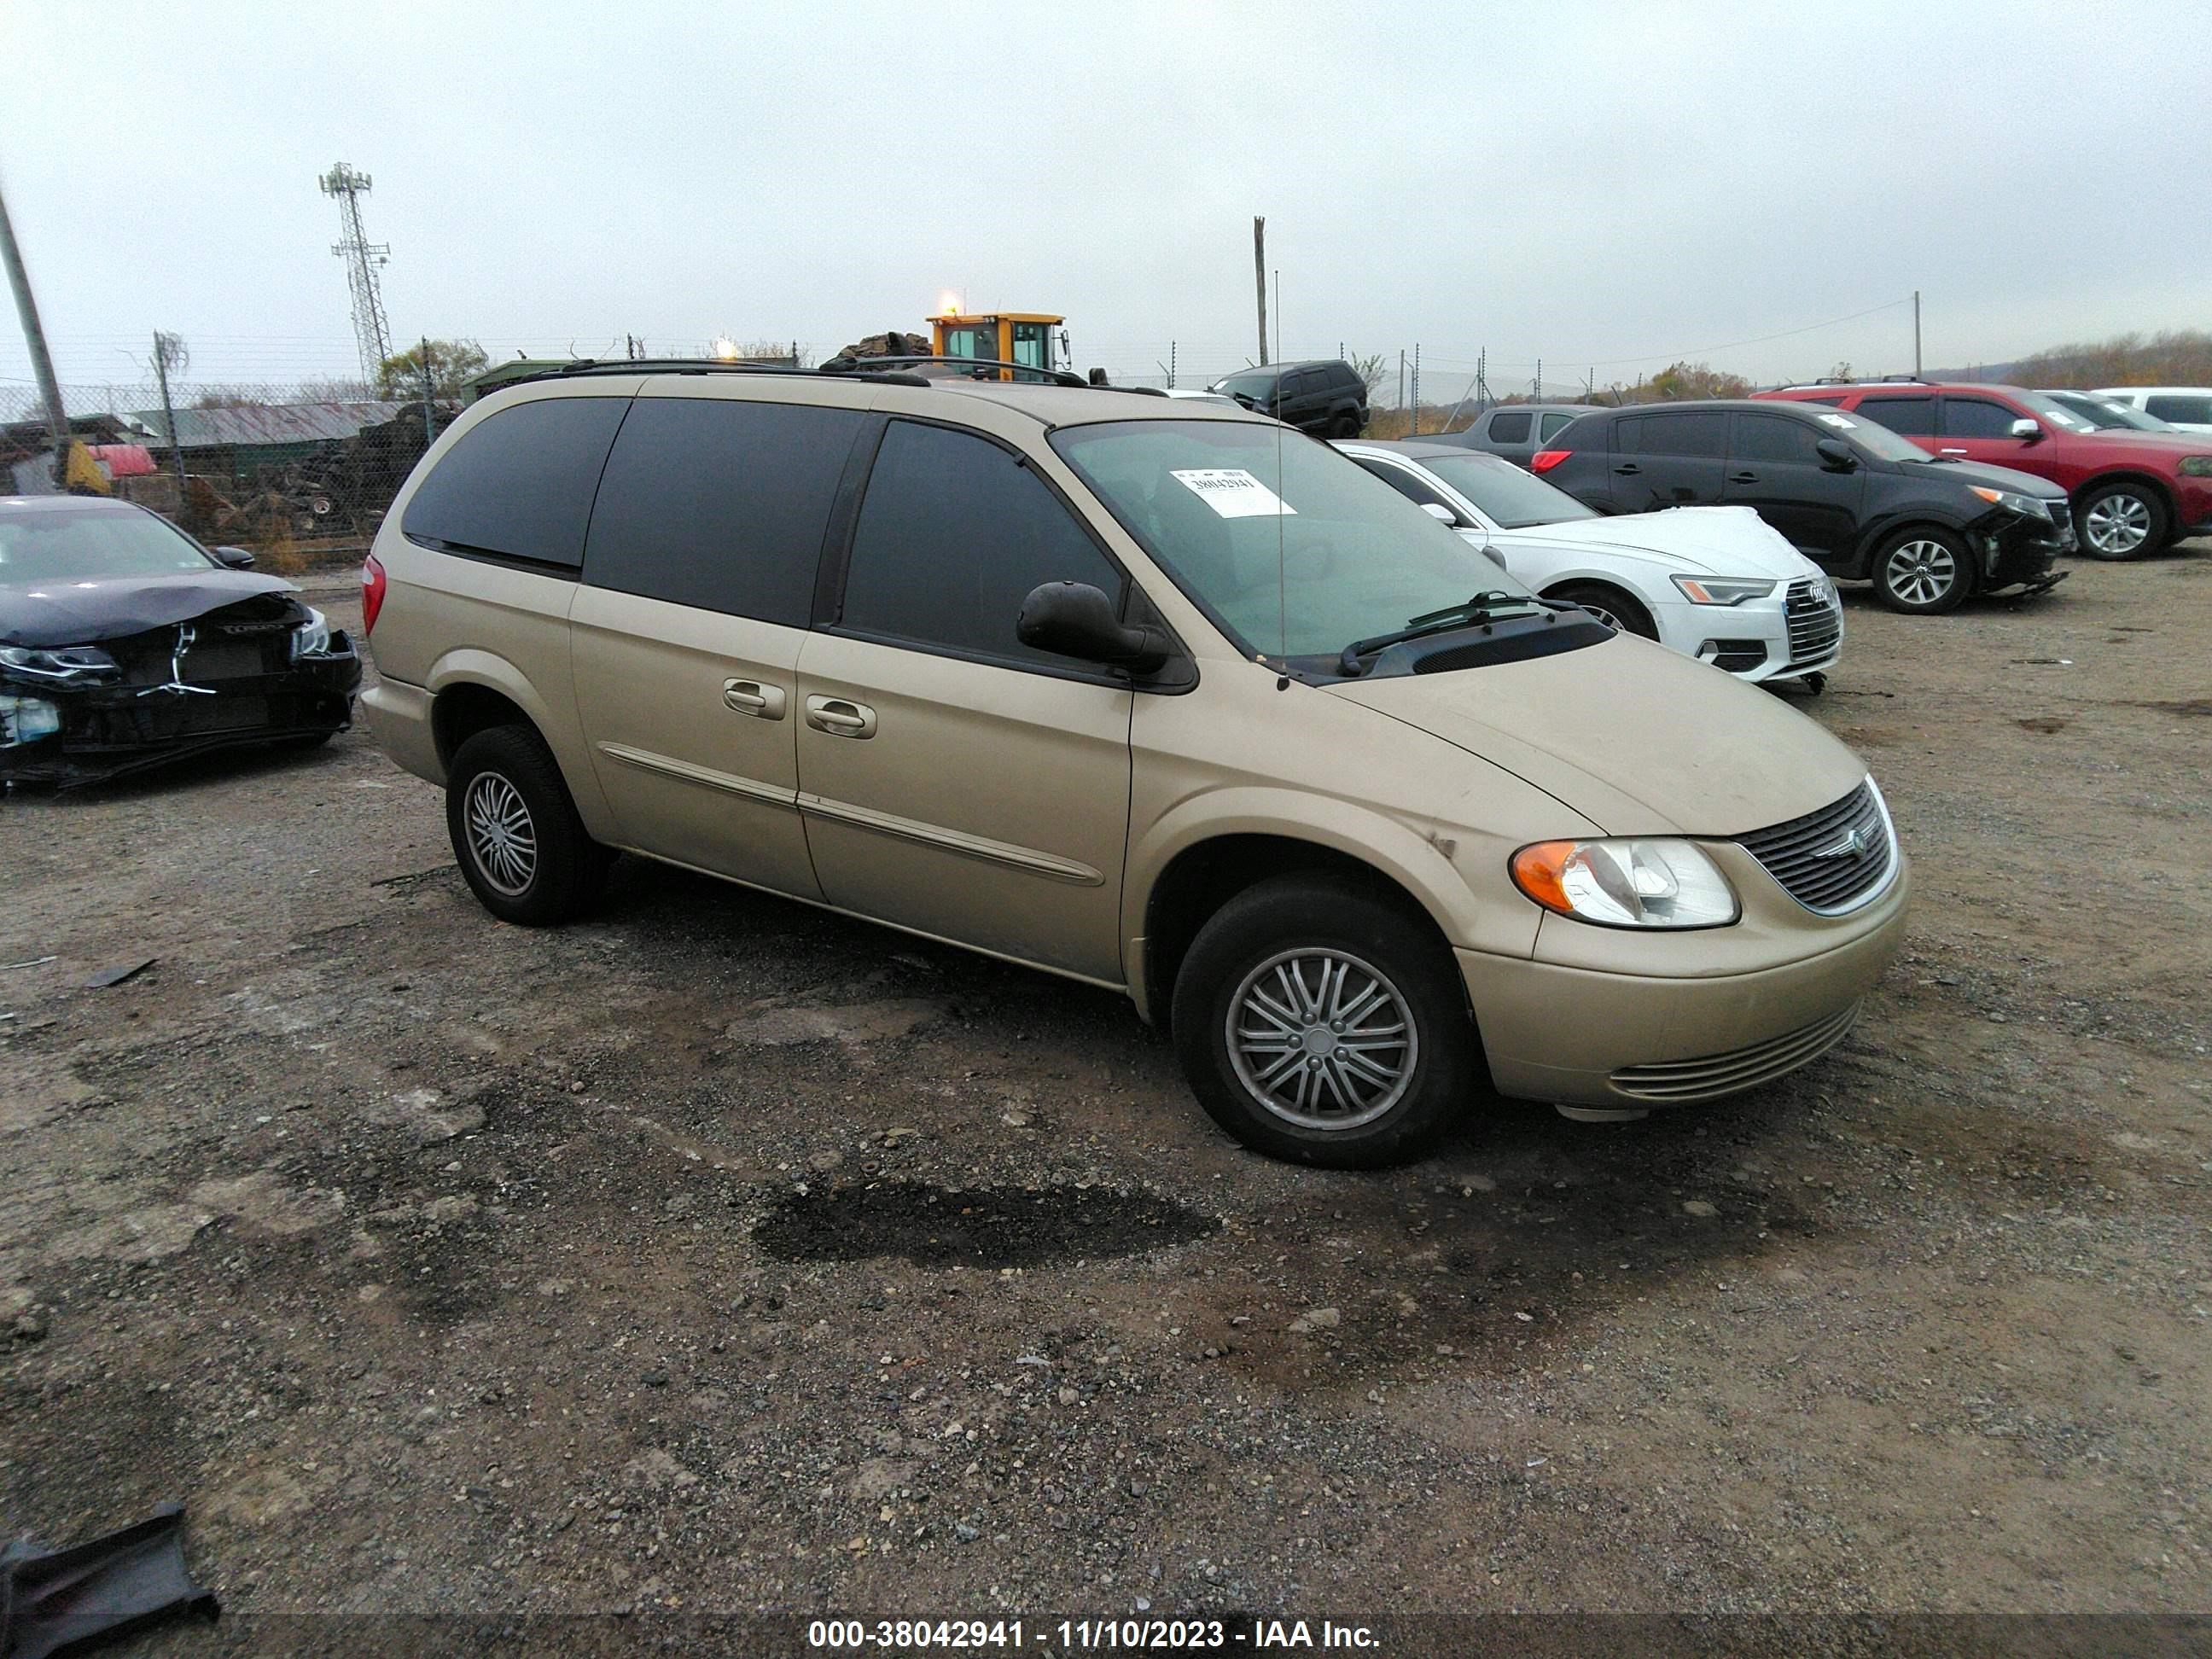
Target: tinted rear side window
[[1508, 428], [2195, 411], [953, 535], [1913, 416], [1552, 425], [719, 504], [518, 483], [1702, 432]]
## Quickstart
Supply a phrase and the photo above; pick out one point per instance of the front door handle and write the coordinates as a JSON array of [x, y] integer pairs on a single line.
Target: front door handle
[[1743, 478], [841, 717], [1953, 451], [751, 697]]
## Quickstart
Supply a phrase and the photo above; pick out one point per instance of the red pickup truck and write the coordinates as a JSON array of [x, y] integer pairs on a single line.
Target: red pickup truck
[[2132, 492]]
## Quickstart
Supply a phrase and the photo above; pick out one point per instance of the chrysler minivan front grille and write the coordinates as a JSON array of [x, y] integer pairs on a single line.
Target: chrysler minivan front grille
[[1834, 860]]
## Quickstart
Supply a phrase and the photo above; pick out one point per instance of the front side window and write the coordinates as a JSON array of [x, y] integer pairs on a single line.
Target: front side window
[[1774, 439], [1509, 497], [1293, 548], [1511, 429], [953, 534], [1404, 482], [1978, 418], [518, 483], [1914, 418], [77, 544], [719, 504]]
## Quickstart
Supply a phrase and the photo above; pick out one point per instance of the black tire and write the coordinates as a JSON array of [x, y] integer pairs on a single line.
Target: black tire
[[1346, 425], [1923, 571], [1616, 610], [1426, 1082], [2128, 519], [551, 870]]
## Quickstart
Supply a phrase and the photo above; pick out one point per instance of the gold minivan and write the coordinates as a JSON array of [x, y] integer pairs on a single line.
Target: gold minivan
[[1161, 696]]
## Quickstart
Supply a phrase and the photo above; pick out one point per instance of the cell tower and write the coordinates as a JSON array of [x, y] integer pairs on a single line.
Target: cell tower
[[362, 257]]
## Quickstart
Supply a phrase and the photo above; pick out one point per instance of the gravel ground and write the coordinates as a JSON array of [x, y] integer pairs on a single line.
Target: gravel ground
[[719, 1254]]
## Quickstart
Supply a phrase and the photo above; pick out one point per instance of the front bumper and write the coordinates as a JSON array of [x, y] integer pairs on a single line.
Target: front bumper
[[1578, 1036], [102, 730], [2017, 551], [1780, 637]]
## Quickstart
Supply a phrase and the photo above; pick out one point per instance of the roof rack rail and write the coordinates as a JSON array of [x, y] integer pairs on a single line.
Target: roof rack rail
[[689, 366], [1029, 371]]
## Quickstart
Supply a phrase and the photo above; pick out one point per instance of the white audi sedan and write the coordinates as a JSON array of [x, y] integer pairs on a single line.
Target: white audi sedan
[[1716, 583]]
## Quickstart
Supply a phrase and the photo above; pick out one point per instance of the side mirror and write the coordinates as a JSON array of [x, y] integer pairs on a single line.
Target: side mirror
[[2030, 430], [1074, 619], [1835, 454], [1441, 513], [233, 558]]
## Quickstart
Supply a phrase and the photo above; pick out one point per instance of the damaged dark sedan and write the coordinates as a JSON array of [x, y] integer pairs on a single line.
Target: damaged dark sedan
[[125, 644]]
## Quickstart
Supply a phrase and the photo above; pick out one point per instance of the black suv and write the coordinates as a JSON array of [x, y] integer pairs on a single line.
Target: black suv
[[1327, 398], [1854, 497]]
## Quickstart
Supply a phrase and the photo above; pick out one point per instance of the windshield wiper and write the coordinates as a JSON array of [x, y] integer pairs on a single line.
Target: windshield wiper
[[1477, 609]]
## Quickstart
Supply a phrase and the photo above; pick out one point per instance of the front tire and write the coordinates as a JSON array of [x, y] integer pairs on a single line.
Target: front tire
[[1318, 1024], [1346, 425], [515, 833], [2122, 521], [1616, 610], [1923, 572]]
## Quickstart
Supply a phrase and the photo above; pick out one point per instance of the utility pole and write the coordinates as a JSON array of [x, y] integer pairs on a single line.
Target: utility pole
[[1279, 316], [1540, 379], [1401, 379], [1916, 333], [1417, 388], [169, 349], [1260, 275], [35, 337], [429, 434]]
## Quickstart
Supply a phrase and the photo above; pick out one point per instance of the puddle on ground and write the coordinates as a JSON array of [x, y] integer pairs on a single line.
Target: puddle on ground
[[981, 1227]]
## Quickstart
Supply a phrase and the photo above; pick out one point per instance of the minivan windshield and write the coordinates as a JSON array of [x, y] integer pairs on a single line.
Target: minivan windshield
[[1295, 550], [1509, 497]]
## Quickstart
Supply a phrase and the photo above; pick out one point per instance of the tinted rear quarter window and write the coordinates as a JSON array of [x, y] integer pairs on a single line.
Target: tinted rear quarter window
[[1510, 429], [719, 504], [2194, 411], [1698, 433], [1554, 424], [1915, 417], [518, 483], [953, 536]]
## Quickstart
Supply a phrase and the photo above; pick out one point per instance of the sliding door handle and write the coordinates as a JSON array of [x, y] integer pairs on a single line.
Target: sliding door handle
[[841, 717]]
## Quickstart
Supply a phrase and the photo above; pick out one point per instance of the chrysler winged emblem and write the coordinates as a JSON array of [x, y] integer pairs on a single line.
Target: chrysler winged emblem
[[1854, 844]]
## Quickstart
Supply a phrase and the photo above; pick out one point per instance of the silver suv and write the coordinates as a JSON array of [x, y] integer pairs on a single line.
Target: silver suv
[[1160, 697]]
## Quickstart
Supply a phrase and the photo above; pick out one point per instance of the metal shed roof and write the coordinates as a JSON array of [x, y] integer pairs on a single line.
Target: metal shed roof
[[248, 424]]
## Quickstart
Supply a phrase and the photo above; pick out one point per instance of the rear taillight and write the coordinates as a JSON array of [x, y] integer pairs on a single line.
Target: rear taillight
[[1545, 460], [372, 592]]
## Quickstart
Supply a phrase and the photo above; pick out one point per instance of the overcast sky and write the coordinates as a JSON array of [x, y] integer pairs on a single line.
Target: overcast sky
[[1608, 185]]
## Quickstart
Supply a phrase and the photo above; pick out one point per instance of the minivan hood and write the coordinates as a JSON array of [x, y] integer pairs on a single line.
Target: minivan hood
[[1712, 541], [1636, 738]]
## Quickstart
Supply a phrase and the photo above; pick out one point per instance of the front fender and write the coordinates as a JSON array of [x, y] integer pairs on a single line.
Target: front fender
[[555, 720]]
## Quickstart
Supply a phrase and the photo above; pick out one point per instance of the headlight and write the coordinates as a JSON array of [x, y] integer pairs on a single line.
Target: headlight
[[1716, 590], [67, 662], [1640, 882], [312, 638], [2196, 466], [2027, 506]]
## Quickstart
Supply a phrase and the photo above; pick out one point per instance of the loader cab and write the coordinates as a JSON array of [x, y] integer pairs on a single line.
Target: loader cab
[[1026, 338]]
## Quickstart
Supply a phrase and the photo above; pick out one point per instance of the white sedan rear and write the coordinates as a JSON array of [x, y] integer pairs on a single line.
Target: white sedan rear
[[1716, 583]]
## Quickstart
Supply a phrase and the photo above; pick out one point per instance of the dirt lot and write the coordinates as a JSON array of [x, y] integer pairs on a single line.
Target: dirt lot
[[720, 1255]]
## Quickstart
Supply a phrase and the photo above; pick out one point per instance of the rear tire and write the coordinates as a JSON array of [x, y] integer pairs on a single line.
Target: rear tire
[[1619, 612], [1253, 1008], [1346, 425], [1923, 572], [2122, 521], [516, 836]]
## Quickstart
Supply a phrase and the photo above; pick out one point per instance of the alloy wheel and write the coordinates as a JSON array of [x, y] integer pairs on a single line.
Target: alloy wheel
[[502, 839], [1321, 1039], [2119, 525], [1921, 572]]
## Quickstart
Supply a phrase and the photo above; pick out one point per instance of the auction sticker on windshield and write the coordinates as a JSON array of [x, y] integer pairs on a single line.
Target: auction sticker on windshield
[[1233, 493]]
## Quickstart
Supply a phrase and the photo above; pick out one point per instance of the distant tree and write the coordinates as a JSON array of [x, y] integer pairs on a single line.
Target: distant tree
[[1372, 370], [1694, 381], [1841, 371], [2179, 356], [451, 363], [336, 390]]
